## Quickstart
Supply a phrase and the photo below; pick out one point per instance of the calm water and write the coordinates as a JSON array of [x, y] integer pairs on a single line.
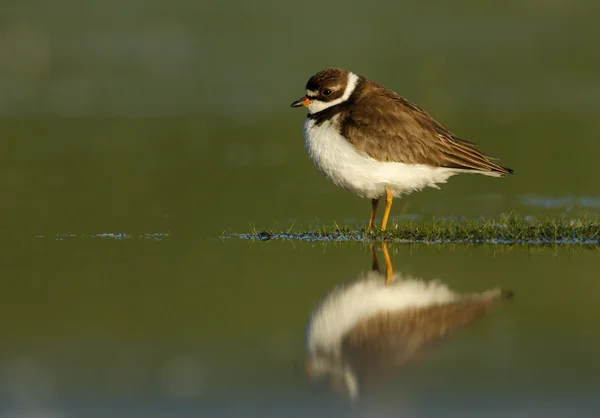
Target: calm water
[[169, 123], [196, 326]]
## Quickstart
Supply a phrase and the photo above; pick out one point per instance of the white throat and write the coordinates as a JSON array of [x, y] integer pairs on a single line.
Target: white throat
[[317, 105]]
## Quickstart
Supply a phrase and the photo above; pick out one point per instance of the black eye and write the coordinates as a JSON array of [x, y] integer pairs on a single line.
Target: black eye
[[326, 92]]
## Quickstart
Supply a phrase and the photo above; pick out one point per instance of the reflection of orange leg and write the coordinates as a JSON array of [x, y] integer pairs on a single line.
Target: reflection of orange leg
[[374, 203], [388, 206], [389, 269], [375, 265]]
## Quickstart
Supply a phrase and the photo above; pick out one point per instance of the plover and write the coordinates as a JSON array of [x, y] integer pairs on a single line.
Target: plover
[[378, 145], [362, 330]]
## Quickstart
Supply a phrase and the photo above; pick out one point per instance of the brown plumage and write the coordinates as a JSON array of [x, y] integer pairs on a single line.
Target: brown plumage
[[397, 320], [390, 340], [378, 145], [384, 342], [390, 128]]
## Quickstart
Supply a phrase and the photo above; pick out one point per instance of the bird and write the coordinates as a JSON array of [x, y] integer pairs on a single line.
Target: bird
[[362, 330], [378, 145]]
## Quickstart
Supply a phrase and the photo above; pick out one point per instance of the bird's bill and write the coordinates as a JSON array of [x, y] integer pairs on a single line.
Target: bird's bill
[[304, 101]]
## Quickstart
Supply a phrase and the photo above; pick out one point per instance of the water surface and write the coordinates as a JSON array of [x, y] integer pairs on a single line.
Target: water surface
[[134, 135], [177, 325]]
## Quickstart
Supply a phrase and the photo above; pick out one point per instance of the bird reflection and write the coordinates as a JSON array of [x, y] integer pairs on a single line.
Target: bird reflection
[[381, 322]]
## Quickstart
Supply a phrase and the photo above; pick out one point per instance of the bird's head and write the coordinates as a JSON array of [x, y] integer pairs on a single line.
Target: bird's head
[[330, 371], [327, 88]]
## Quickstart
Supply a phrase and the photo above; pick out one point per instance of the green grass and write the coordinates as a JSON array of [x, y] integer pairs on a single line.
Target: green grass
[[502, 232]]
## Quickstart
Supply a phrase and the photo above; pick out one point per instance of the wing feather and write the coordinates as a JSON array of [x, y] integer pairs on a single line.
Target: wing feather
[[389, 128]]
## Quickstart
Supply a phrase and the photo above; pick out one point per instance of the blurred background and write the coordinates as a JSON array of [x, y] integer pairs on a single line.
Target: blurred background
[[170, 121]]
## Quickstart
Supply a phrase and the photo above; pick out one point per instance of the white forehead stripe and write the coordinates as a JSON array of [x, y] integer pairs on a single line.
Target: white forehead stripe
[[317, 105]]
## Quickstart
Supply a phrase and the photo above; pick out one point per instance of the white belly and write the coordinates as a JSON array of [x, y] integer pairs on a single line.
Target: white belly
[[346, 305], [360, 174]]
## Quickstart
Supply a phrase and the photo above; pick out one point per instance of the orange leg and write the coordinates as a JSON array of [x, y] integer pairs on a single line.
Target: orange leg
[[388, 206], [389, 269], [375, 265], [374, 203]]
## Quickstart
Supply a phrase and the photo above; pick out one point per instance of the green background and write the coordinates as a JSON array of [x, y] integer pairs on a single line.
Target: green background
[[173, 118]]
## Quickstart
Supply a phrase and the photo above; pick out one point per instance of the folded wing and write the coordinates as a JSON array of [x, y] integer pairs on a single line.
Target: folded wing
[[395, 130]]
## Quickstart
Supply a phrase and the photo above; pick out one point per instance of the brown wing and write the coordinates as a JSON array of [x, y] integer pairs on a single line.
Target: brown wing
[[393, 339], [389, 128]]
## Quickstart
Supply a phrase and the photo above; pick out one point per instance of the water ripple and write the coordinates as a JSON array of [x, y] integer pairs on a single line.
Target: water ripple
[[110, 235]]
